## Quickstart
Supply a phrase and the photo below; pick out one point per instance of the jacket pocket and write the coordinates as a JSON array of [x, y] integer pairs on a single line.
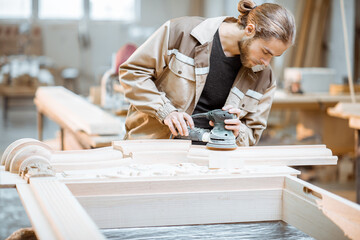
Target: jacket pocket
[[249, 104], [178, 83]]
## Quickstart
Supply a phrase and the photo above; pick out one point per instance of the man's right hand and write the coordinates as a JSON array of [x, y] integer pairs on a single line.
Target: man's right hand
[[178, 122]]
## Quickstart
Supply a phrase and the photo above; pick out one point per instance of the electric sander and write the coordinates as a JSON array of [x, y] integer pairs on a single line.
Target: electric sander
[[219, 138]]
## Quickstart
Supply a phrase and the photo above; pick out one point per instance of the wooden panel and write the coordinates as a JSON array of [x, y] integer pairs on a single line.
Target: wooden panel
[[166, 209], [319, 213]]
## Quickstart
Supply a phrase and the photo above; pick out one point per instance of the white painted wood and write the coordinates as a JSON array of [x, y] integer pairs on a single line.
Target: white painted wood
[[166, 209], [319, 213], [76, 112], [65, 215]]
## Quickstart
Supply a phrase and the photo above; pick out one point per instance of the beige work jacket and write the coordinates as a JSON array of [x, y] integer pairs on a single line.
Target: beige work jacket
[[168, 73]]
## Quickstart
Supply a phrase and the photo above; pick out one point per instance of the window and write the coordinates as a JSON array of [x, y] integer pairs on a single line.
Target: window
[[61, 9], [15, 9], [124, 10]]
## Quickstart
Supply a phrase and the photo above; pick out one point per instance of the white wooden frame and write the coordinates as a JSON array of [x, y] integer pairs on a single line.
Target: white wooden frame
[[68, 208]]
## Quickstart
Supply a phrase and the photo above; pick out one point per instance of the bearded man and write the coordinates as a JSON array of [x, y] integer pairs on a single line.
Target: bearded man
[[194, 65]]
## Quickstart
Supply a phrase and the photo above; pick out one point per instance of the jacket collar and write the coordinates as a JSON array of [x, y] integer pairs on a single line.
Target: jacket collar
[[205, 31]]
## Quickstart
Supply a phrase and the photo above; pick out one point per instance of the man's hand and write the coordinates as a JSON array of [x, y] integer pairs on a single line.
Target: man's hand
[[232, 124], [178, 122]]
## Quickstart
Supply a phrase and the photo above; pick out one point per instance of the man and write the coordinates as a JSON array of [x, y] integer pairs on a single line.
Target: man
[[192, 65]]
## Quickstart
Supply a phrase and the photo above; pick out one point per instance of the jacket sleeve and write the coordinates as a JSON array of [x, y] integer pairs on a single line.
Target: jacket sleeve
[[253, 124], [138, 73]]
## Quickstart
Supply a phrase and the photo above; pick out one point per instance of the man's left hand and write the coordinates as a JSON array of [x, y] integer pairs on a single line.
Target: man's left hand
[[233, 124]]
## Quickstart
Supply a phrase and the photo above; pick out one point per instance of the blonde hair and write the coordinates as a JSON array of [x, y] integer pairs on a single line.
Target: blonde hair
[[270, 20]]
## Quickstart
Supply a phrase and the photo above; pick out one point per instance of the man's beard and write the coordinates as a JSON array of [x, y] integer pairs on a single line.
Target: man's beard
[[244, 52], [244, 46]]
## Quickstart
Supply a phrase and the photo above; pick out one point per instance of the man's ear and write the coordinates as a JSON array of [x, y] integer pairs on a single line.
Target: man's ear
[[250, 31]]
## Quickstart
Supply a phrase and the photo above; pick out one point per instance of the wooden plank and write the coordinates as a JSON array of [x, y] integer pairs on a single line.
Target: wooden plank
[[9, 180], [39, 222], [76, 112], [109, 175], [127, 147], [173, 185], [296, 155], [345, 110], [65, 215], [323, 215], [166, 209]]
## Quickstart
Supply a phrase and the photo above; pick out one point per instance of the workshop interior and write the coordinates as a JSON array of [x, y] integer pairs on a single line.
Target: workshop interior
[[69, 169]]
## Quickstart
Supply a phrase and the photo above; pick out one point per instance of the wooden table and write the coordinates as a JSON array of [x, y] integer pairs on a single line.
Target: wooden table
[[91, 126], [8, 92], [313, 118], [351, 112]]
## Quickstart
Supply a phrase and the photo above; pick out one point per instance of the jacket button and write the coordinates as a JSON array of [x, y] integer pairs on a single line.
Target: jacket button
[[179, 72], [243, 105]]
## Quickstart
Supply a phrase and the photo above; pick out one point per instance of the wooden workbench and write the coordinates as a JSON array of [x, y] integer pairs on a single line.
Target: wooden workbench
[[313, 120], [91, 126], [9, 92], [351, 112]]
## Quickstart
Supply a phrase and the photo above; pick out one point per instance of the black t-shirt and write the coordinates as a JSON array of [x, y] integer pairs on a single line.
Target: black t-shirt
[[223, 71]]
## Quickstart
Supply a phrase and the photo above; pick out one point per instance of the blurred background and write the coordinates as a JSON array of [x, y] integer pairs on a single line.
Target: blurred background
[[78, 44], [85, 34]]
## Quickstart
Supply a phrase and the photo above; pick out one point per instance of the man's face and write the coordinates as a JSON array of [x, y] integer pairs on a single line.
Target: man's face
[[257, 51]]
